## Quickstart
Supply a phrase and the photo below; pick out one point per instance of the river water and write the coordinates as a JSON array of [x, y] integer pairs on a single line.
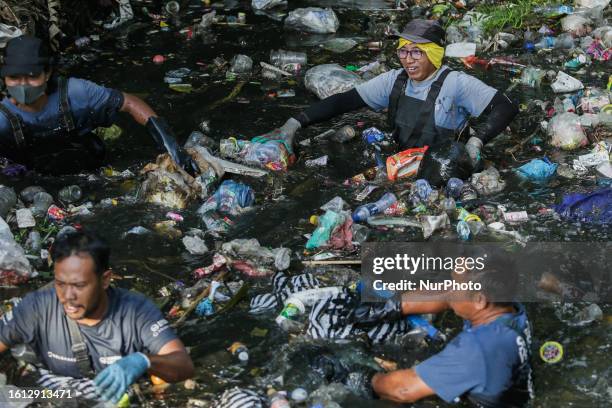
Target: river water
[[581, 379]]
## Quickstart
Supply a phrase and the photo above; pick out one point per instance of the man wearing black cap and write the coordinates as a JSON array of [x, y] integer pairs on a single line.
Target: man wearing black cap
[[427, 102], [46, 123]]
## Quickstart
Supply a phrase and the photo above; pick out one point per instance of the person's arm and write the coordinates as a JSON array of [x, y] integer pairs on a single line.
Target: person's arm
[[3, 347], [499, 113], [404, 386], [137, 108], [159, 129], [330, 107], [172, 363], [423, 302]]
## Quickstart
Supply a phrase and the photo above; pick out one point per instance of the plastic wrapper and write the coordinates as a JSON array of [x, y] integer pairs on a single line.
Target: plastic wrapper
[[444, 161], [251, 249], [329, 79], [14, 266], [566, 131], [8, 199], [267, 4], [488, 182], [312, 20]]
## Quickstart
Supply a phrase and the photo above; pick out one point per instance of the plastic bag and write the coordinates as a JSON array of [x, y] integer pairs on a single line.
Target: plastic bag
[[444, 161], [8, 199], [7, 33], [312, 20], [565, 83], [267, 4], [271, 154], [230, 198], [241, 64], [460, 50], [594, 207], [14, 266], [488, 182], [575, 24], [329, 79], [592, 3], [538, 169], [566, 131]]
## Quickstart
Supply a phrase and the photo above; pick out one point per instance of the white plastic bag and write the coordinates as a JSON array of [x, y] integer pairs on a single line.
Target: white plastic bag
[[488, 182], [313, 20], [329, 79], [267, 4], [14, 266], [7, 33], [575, 24], [592, 3], [566, 131], [565, 83]]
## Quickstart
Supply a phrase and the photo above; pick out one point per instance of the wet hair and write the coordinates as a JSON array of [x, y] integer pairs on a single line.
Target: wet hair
[[82, 242], [498, 279]]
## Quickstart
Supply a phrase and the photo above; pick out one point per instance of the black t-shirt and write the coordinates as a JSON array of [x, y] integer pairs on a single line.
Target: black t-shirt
[[132, 323]]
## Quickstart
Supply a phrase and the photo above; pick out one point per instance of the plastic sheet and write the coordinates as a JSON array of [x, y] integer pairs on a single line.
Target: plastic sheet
[[329, 79], [595, 207], [312, 20], [14, 266], [538, 170]]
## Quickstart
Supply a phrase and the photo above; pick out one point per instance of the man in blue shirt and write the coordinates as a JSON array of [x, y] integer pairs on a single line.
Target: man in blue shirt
[[81, 327], [46, 123], [427, 103], [488, 362]]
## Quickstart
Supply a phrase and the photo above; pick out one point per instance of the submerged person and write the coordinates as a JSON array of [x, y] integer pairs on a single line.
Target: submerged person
[[47, 122], [427, 102], [82, 327], [488, 362]]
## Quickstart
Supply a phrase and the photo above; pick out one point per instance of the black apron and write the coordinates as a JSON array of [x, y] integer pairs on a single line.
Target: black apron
[[55, 151], [413, 120]]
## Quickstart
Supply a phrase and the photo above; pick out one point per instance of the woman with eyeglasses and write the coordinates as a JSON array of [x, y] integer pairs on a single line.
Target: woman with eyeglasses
[[426, 101]]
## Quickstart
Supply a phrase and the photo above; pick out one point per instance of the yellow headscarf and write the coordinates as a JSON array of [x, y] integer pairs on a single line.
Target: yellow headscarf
[[434, 52]]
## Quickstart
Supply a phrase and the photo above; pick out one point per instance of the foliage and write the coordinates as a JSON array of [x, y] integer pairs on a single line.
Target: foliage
[[514, 14]]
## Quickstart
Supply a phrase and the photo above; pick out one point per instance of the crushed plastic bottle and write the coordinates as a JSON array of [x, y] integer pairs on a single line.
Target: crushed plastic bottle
[[362, 212]]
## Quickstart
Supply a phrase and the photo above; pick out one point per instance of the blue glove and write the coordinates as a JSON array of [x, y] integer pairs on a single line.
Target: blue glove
[[115, 379]]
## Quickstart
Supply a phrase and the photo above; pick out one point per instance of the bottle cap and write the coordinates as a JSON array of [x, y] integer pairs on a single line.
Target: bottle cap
[[551, 352], [314, 220]]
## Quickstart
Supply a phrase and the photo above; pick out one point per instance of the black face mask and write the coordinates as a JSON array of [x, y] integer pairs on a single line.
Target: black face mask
[[26, 94]]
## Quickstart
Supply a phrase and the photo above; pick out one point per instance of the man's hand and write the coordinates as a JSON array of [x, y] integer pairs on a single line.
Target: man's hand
[[115, 379], [473, 147], [162, 134]]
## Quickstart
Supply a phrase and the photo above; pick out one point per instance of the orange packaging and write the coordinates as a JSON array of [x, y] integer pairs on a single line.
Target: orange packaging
[[157, 381], [405, 163]]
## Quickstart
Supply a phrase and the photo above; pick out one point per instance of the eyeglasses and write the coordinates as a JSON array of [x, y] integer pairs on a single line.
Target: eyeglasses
[[414, 53]]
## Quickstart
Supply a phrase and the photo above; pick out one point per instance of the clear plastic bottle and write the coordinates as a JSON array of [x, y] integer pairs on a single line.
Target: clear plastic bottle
[[344, 134], [360, 233], [282, 57], [362, 213], [326, 225]]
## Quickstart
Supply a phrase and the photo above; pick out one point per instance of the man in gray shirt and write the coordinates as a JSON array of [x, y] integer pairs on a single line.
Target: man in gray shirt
[[124, 333]]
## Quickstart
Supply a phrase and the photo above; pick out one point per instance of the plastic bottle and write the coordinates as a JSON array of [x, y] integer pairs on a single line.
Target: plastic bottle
[[311, 296], [463, 230], [239, 351], [344, 134], [372, 135], [360, 233], [545, 42], [362, 212], [326, 225], [449, 207], [554, 10], [282, 57], [229, 198], [70, 194], [279, 400], [418, 321], [287, 318]]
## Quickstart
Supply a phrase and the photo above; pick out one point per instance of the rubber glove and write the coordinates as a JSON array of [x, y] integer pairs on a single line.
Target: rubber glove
[[473, 147], [114, 380], [163, 136]]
